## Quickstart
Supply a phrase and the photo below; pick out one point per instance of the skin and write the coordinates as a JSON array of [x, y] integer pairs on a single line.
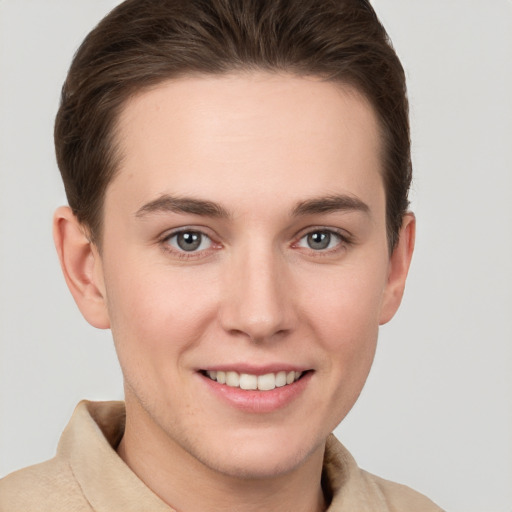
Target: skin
[[281, 157]]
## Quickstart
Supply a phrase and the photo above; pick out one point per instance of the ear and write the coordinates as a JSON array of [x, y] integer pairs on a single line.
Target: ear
[[399, 263], [81, 264]]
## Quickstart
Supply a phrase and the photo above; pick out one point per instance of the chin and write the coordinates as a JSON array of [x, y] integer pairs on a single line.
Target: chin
[[262, 458]]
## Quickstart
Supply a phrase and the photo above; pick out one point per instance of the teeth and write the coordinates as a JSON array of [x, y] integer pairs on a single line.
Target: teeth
[[280, 379], [248, 381], [233, 379], [267, 382]]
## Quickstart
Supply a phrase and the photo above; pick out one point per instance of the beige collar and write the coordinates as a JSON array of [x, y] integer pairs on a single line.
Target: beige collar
[[88, 445]]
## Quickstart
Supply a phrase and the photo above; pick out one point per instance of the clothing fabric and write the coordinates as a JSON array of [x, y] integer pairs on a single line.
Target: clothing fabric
[[87, 475]]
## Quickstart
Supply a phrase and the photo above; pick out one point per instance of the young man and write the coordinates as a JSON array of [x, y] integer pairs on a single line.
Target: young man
[[237, 175]]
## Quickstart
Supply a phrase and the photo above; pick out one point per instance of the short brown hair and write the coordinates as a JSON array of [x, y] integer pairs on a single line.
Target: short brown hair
[[144, 42]]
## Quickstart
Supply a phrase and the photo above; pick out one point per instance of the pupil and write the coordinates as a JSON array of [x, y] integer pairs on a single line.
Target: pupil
[[319, 240], [189, 240]]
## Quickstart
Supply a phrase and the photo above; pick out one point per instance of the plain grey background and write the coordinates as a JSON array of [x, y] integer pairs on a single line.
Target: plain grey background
[[436, 413]]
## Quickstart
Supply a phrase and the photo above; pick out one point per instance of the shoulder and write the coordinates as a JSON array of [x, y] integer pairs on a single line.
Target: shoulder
[[399, 497], [352, 488], [46, 486]]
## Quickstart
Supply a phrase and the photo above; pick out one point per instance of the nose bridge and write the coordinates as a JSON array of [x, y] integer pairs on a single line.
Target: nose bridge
[[257, 301]]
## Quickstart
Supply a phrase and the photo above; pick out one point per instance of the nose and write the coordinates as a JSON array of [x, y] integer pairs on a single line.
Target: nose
[[258, 296]]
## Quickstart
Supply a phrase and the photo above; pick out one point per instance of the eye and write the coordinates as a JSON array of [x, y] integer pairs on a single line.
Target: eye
[[320, 240], [189, 241]]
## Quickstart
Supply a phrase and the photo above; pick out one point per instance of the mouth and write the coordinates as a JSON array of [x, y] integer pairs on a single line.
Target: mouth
[[252, 382]]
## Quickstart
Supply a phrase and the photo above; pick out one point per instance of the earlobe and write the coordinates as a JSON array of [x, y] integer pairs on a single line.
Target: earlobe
[[81, 266], [399, 263]]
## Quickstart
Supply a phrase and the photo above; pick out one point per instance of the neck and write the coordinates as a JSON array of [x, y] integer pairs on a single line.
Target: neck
[[188, 485]]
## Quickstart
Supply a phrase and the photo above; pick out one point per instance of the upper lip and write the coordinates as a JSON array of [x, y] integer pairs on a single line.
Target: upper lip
[[252, 369]]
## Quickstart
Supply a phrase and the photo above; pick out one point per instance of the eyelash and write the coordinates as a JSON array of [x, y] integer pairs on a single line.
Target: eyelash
[[344, 241], [182, 254]]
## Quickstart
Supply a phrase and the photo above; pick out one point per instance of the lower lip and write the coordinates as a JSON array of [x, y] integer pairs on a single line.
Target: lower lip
[[258, 401]]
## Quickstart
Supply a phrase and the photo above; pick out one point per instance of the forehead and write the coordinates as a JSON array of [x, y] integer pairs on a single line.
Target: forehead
[[248, 133]]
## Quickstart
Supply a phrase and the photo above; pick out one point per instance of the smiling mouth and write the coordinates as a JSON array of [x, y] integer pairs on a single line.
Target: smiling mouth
[[247, 381]]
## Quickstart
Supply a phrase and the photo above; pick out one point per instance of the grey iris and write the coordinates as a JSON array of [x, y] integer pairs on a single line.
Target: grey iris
[[189, 240], [319, 240]]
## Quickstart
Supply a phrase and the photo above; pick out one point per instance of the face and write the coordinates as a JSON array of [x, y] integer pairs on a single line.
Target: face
[[244, 266]]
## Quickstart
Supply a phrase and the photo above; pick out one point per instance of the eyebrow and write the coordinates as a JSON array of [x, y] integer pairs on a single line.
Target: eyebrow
[[330, 204], [194, 206], [167, 203]]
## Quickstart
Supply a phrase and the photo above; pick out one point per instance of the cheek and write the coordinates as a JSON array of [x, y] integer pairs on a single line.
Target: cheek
[[156, 317], [348, 337], [345, 307], [344, 316]]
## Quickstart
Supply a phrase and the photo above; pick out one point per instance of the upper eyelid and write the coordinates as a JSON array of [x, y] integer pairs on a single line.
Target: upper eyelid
[[345, 240], [339, 238], [342, 233], [166, 236], [168, 248], [169, 233]]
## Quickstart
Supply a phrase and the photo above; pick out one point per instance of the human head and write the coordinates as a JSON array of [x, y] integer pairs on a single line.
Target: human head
[[200, 157], [143, 43]]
